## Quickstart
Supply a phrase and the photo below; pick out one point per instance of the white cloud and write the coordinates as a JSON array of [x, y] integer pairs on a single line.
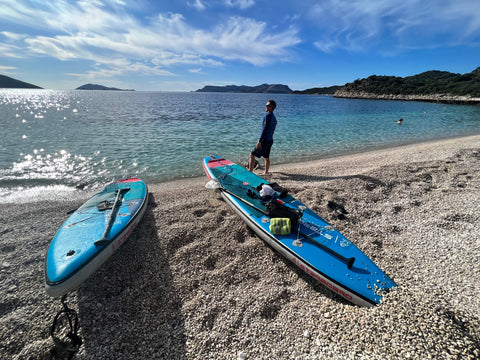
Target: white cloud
[[107, 34], [9, 50], [360, 25], [12, 36], [198, 4], [6, 69], [241, 4], [54, 47], [119, 69], [247, 40]]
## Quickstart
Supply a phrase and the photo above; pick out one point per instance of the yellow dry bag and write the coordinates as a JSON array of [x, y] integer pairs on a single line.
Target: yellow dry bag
[[280, 226]]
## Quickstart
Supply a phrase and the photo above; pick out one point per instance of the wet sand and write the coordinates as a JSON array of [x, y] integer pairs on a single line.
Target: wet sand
[[193, 282]]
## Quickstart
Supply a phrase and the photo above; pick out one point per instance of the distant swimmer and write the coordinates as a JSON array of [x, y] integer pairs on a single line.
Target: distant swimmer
[[399, 122]]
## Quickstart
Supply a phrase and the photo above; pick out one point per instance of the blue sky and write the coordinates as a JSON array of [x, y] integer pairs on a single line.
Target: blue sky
[[183, 45]]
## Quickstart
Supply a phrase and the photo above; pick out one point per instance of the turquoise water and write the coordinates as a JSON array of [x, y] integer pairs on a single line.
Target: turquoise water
[[57, 142]]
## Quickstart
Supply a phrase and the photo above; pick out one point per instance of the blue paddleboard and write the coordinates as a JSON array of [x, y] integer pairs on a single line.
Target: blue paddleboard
[[312, 244], [93, 233]]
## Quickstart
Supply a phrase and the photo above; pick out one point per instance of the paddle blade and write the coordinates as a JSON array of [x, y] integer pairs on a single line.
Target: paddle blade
[[213, 184], [102, 242]]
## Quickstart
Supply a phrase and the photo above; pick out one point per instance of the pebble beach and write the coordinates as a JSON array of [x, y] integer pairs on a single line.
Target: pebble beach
[[194, 282]]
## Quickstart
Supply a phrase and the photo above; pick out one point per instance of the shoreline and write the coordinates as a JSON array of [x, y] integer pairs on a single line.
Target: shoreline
[[436, 98], [193, 282], [318, 162], [63, 193]]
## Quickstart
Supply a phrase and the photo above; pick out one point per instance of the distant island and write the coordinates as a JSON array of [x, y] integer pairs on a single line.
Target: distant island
[[99, 87], [260, 89], [11, 83]]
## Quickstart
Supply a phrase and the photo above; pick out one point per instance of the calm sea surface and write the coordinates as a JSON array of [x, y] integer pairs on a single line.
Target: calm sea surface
[[62, 143]]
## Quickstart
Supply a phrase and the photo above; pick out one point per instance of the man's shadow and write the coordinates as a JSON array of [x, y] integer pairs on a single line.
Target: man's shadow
[[374, 182]]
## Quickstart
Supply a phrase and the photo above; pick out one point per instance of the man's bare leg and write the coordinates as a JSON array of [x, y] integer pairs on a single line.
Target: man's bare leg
[[251, 162], [267, 165]]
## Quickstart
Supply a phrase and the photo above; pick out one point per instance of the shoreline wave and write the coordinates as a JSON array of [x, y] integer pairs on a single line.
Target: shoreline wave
[[34, 190]]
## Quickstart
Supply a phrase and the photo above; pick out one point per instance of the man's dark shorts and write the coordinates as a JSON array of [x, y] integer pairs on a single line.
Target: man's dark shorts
[[264, 150]]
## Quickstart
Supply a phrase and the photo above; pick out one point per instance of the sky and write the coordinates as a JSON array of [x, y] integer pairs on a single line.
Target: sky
[[174, 45]]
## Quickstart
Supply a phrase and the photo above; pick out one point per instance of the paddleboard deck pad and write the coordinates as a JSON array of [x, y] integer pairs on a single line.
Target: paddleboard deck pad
[[93, 233], [313, 245]]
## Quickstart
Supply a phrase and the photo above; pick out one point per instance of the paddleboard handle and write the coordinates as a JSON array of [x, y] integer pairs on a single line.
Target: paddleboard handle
[[113, 214]]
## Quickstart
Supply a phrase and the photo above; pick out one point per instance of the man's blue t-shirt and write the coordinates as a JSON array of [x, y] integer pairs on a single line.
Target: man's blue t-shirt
[[268, 127]]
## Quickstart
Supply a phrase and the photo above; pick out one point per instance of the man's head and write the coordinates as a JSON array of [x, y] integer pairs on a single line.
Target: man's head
[[271, 105]]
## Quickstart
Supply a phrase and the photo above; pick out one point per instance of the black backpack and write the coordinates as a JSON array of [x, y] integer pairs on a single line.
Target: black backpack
[[278, 210]]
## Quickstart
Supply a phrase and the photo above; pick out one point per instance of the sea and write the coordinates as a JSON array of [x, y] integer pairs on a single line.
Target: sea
[[60, 145]]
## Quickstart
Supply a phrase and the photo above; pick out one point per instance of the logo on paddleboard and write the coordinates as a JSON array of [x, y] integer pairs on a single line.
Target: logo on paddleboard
[[345, 242]]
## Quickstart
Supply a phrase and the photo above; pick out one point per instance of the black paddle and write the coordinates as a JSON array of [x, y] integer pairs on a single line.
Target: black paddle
[[215, 184], [348, 261], [104, 241]]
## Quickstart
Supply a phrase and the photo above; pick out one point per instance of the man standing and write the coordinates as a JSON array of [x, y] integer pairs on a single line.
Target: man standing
[[265, 142]]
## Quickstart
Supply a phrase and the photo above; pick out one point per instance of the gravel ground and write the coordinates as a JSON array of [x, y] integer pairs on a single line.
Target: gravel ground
[[193, 282]]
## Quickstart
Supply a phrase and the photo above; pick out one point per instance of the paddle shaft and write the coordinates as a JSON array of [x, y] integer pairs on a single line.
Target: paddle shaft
[[348, 261], [243, 200], [112, 217]]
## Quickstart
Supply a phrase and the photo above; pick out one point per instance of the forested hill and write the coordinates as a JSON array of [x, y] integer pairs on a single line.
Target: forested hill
[[428, 83], [11, 83], [330, 90]]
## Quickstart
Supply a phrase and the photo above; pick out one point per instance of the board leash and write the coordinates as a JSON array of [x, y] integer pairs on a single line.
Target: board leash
[[66, 348]]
